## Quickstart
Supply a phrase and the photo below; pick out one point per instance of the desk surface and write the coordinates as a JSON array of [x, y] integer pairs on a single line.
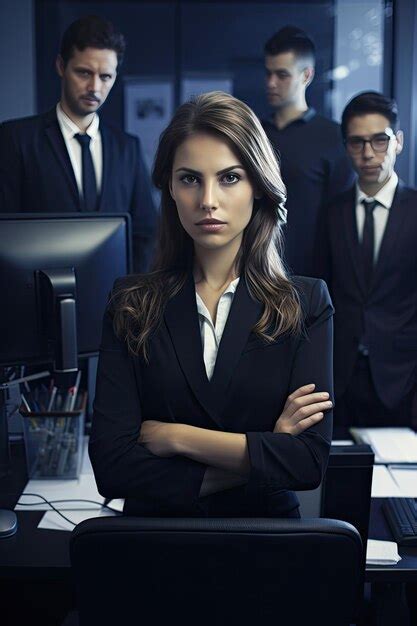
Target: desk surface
[[43, 554]]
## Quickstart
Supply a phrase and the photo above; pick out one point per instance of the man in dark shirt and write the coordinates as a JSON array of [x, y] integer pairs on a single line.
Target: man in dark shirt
[[313, 161]]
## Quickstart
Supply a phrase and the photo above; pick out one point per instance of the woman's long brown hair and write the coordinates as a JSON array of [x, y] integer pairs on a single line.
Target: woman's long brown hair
[[138, 308]]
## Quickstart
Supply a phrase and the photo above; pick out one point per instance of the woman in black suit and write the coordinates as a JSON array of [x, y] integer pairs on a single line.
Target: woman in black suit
[[215, 370]]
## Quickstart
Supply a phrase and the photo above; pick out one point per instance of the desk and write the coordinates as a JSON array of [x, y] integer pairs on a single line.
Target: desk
[[34, 554]]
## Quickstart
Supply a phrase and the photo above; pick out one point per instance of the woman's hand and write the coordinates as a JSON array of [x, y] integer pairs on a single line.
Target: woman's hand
[[302, 410], [157, 437]]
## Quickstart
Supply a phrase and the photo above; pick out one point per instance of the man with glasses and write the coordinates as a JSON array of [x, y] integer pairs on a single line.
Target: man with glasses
[[313, 161], [367, 252]]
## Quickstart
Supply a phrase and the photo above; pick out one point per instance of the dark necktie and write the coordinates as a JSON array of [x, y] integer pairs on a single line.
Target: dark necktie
[[368, 240], [89, 195]]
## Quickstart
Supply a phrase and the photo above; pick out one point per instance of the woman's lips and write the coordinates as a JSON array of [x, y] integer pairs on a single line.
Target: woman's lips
[[211, 227]]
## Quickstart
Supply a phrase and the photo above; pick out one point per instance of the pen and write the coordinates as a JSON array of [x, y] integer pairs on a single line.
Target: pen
[[25, 404], [52, 399], [74, 391]]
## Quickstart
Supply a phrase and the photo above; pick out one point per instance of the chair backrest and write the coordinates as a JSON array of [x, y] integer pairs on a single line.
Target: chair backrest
[[194, 571]]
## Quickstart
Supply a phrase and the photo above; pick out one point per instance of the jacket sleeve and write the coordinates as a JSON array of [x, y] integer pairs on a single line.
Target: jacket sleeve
[[299, 462], [10, 172], [123, 468]]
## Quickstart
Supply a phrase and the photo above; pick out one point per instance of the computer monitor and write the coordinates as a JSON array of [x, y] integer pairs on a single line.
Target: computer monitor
[[56, 272]]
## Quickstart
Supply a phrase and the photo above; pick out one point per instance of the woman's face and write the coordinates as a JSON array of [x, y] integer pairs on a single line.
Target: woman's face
[[212, 191]]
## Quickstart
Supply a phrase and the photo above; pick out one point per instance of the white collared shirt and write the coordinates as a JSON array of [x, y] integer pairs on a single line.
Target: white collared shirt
[[68, 130], [385, 196], [211, 334]]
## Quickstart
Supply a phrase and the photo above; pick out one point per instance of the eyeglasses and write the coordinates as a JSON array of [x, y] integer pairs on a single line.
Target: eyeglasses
[[378, 142]]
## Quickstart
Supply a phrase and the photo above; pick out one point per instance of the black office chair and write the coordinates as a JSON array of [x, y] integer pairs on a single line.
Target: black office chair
[[194, 571]]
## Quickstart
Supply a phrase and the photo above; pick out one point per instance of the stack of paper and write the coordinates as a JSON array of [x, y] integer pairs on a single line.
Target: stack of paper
[[391, 445], [382, 552], [405, 477], [383, 483]]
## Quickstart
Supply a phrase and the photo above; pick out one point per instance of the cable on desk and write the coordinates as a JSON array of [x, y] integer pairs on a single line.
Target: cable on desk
[[50, 503]]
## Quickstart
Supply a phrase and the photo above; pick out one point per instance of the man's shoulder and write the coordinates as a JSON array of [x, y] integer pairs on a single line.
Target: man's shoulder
[[326, 122], [333, 212], [407, 194], [326, 128], [343, 198], [118, 134], [23, 124]]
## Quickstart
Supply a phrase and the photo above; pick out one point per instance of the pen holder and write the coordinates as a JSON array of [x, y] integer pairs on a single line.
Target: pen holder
[[54, 441]]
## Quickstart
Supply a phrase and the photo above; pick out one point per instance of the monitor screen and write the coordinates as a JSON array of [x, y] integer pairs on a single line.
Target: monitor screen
[[96, 246]]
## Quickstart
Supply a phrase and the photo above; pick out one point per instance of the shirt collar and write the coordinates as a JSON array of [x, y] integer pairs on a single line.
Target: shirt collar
[[304, 118], [308, 115], [385, 195], [69, 129], [201, 307]]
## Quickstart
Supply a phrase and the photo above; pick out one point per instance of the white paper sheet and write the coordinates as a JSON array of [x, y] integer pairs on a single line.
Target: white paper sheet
[[83, 488], [382, 552], [383, 484], [53, 521], [406, 478], [342, 442], [86, 467], [391, 445]]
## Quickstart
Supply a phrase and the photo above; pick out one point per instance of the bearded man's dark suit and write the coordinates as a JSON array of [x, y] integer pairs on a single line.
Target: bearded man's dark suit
[[36, 176], [386, 312]]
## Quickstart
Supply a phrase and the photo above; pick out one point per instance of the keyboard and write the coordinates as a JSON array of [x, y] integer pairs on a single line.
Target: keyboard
[[401, 515]]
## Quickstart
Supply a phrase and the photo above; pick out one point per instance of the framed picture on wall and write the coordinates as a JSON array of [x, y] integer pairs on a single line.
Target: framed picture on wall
[[148, 108]]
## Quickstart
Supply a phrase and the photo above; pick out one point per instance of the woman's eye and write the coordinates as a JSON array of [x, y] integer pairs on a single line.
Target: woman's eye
[[189, 179], [229, 179]]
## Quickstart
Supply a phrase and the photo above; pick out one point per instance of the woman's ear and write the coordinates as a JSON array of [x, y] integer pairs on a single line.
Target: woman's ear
[[258, 194]]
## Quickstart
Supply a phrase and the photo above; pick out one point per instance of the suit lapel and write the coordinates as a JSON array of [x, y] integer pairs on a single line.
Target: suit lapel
[[243, 316], [351, 232], [53, 132], [392, 229], [181, 318], [107, 156]]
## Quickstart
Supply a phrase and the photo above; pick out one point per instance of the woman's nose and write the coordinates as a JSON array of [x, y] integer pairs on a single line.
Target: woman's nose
[[208, 200]]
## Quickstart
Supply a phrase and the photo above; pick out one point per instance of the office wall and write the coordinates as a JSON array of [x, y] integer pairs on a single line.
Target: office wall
[[359, 50], [17, 59], [405, 84], [179, 38]]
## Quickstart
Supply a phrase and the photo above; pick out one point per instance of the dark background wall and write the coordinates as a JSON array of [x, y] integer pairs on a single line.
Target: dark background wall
[[404, 87], [174, 38], [17, 59]]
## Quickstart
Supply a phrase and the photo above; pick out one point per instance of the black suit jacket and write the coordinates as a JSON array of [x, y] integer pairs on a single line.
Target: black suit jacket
[[36, 175], [388, 311], [247, 393]]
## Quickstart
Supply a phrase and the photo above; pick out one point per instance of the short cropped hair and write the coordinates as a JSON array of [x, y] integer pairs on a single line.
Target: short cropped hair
[[370, 102], [291, 39], [92, 31]]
